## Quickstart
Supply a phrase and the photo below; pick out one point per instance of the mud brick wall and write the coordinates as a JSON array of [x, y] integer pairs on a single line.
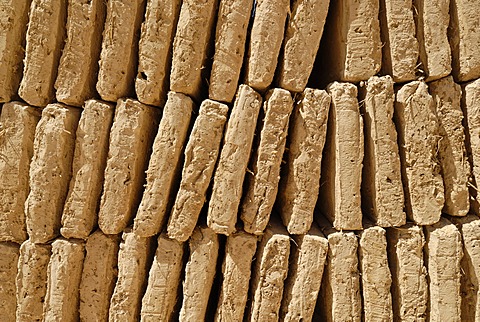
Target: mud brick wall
[[239, 160]]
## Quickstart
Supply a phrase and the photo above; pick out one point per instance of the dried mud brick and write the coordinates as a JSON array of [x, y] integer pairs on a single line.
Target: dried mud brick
[[201, 155], [164, 165], [89, 160]]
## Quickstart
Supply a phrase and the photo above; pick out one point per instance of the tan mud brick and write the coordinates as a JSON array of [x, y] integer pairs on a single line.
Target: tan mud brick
[[133, 264], [432, 19], [32, 281], [471, 107], [262, 182], [8, 272], [164, 279], [269, 273], [50, 171], [305, 276], [419, 135], [201, 155], [266, 38], [443, 253], [154, 50], [464, 36], [98, 276], [199, 274], [77, 71], [190, 46], [298, 187], [45, 36], [233, 161], [352, 46], [376, 277], [302, 39], [342, 167], [382, 190], [63, 281], [89, 161], [164, 166], [452, 152], [340, 298], [118, 57], [409, 281], [236, 269], [469, 227], [13, 28], [400, 50], [17, 124], [230, 38], [131, 137]]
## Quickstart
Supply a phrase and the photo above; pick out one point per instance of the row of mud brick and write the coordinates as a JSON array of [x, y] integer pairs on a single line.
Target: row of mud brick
[[62, 167], [407, 273], [121, 210], [118, 48]]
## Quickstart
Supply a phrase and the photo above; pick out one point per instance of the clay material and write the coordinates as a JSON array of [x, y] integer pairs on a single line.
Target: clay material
[[134, 259], [340, 289], [443, 253], [239, 252], [432, 19], [382, 190], [199, 274], [77, 72], [17, 125], [302, 39], [452, 153], [233, 161], [98, 276], [305, 276], [154, 50], [45, 36], [50, 171], [89, 161], [342, 167], [352, 44], [190, 46], [269, 273], [262, 181], [469, 227], [300, 180], [31, 281], [419, 135], [8, 272], [400, 50], [376, 277], [13, 22], [63, 281], [118, 57], [464, 36], [471, 108], [409, 282], [232, 24], [266, 37], [164, 165], [131, 137], [163, 281], [201, 155]]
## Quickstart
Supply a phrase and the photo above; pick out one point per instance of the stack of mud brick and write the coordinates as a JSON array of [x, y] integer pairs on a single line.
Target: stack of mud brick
[[239, 160]]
